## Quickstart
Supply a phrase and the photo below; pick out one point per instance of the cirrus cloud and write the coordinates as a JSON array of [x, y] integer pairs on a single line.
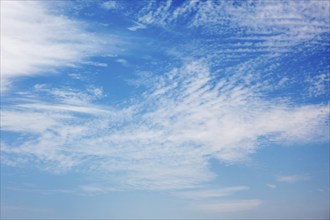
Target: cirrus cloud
[[164, 140]]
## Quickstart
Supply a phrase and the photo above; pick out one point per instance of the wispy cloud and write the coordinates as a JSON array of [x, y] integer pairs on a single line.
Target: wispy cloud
[[109, 5], [137, 26], [230, 206], [272, 25], [292, 178], [40, 41], [82, 190], [122, 61], [214, 84], [187, 115], [93, 189], [319, 84], [164, 140], [272, 186], [211, 193], [212, 200]]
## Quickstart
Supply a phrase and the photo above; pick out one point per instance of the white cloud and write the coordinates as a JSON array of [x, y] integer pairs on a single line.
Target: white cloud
[[197, 194], [318, 84], [292, 178], [137, 26], [75, 76], [28, 121], [83, 190], [98, 64], [163, 140], [72, 96], [109, 5], [122, 61], [153, 14], [230, 206], [211, 199], [35, 40], [92, 189], [272, 186], [277, 25]]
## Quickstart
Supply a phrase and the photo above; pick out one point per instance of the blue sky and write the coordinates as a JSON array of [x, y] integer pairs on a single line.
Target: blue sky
[[165, 109]]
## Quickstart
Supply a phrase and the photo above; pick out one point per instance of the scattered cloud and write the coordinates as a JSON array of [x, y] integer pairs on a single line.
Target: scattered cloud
[[109, 5], [318, 84], [122, 61], [214, 101], [76, 76], [163, 140], [187, 115], [275, 24], [154, 13], [95, 63]]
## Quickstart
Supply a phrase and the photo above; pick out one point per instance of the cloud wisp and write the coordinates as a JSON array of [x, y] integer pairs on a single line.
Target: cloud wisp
[[201, 194], [281, 23], [164, 140], [187, 115], [292, 178], [40, 41], [211, 200], [145, 97], [230, 206]]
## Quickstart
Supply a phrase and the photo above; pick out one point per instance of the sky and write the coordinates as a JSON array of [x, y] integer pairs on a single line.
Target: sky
[[165, 109]]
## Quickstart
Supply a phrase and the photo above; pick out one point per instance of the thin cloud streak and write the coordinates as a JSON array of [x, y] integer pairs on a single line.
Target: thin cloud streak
[[41, 41], [211, 193], [272, 186], [292, 178], [167, 146], [230, 206]]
